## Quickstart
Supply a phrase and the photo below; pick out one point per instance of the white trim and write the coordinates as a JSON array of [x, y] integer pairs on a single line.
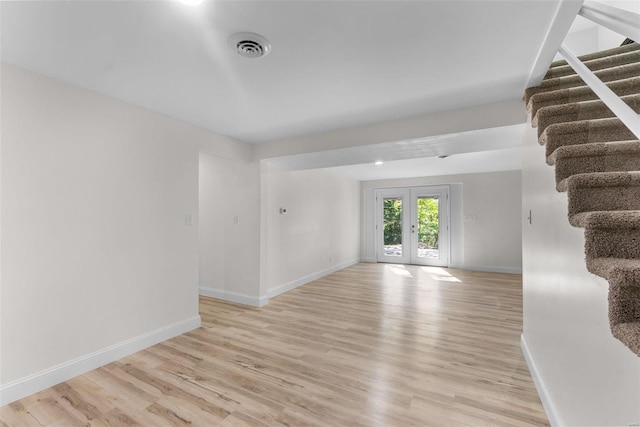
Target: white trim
[[547, 403], [28, 385], [488, 268], [621, 21], [629, 117], [558, 28], [277, 290], [234, 297]]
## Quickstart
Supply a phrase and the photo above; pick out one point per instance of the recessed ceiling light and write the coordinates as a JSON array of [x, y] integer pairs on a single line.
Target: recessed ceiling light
[[191, 2], [378, 163]]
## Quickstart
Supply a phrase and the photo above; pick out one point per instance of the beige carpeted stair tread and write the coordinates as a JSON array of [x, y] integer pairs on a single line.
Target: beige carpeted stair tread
[[602, 191], [623, 276], [621, 87], [619, 219], [576, 111], [608, 219], [583, 132], [615, 156], [614, 237], [607, 75], [596, 64], [604, 267], [600, 54]]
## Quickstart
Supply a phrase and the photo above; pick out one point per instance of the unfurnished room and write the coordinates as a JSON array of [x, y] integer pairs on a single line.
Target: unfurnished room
[[319, 213]]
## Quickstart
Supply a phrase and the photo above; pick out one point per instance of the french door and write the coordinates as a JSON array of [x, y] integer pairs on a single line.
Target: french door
[[412, 225]]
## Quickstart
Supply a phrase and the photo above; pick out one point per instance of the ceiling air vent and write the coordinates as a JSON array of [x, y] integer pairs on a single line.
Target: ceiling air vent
[[250, 45]]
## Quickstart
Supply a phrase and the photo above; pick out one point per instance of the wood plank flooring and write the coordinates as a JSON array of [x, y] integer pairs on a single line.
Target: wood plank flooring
[[371, 345]]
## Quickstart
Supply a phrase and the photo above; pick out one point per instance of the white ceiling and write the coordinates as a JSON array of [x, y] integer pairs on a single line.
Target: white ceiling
[[485, 161], [334, 64]]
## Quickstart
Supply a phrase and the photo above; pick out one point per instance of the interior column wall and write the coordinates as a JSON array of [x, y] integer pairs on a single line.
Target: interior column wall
[[229, 235], [584, 375]]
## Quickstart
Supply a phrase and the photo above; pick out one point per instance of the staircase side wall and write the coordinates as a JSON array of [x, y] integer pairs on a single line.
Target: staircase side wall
[[584, 375]]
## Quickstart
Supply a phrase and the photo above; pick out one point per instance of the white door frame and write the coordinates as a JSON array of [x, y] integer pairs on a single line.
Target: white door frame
[[409, 196]]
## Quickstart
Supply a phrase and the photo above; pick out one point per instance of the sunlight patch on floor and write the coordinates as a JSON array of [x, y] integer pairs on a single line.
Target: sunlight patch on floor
[[440, 274], [399, 270]]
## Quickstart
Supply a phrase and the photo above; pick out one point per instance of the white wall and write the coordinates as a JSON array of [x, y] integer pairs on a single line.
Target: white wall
[[584, 375], [320, 232], [97, 259], [491, 242], [230, 229]]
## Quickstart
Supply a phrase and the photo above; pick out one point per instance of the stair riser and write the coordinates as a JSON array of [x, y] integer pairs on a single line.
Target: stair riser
[[628, 334], [595, 64], [603, 199], [569, 166], [567, 96], [553, 115], [612, 243], [601, 54], [600, 134], [624, 304], [623, 72]]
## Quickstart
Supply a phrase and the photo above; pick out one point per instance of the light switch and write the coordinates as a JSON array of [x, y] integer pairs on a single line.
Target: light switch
[[188, 219]]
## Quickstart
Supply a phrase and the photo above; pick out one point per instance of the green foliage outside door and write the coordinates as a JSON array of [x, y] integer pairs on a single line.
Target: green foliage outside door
[[392, 212], [428, 224]]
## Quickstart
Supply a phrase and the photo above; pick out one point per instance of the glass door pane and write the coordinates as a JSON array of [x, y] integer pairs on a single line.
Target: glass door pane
[[430, 225], [428, 228], [392, 226]]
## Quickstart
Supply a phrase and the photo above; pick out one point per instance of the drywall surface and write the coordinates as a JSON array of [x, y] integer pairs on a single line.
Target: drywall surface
[[585, 376], [485, 211], [320, 231], [96, 246], [497, 114], [230, 228]]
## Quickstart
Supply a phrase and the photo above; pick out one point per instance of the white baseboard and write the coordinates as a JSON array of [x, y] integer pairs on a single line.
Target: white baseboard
[[548, 405], [234, 297], [488, 269], [26, 386], [309, 278]]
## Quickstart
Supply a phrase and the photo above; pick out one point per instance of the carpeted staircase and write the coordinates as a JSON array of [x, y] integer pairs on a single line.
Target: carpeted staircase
[[597, 162]]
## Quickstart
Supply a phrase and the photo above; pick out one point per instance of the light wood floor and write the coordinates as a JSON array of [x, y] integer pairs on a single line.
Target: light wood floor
[[371, 345]]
